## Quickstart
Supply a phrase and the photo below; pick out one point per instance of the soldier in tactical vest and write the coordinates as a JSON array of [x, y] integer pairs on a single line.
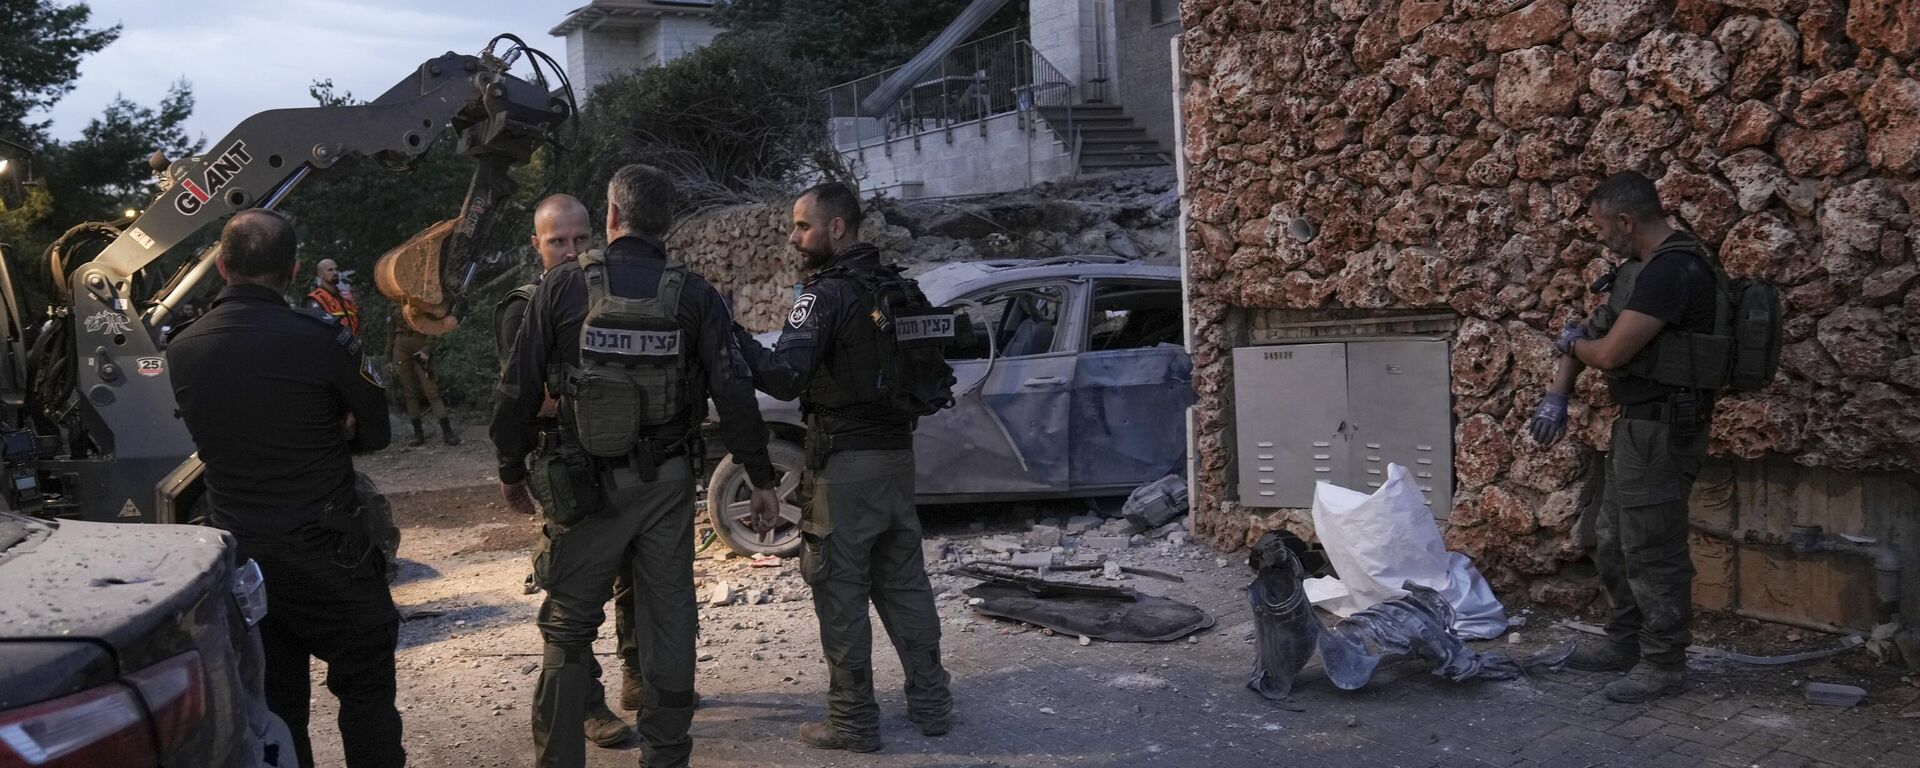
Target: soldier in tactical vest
[[860, 532], [561, 231], [631, 344], [1661, 339]]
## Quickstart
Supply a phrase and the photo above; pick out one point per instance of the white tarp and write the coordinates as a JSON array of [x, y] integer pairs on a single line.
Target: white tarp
[[1378, 542]]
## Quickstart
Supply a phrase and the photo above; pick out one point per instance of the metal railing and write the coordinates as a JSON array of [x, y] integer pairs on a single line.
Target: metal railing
[[993, 75]]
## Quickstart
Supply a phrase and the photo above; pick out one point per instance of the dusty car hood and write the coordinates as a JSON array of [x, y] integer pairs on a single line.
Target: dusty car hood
[[112, 583]]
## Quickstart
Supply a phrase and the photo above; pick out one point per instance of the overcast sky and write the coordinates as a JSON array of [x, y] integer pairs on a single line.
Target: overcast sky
[[244, 57]]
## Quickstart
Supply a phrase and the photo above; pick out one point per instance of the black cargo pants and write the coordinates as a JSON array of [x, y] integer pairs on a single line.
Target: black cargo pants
[[1640, 543], [647, 526], [861, 538]]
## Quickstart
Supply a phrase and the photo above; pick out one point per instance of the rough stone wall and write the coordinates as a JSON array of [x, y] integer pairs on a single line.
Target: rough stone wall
[[743, 251], [1435, 154]]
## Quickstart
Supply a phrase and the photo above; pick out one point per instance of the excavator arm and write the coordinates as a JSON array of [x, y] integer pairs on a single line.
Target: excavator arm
[[100, 373]]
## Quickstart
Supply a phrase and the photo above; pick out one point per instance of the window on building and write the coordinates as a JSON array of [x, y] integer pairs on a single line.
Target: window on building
[[1163, 11]]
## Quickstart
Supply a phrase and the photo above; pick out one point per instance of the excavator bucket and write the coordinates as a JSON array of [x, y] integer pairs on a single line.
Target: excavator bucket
[[410, 276]]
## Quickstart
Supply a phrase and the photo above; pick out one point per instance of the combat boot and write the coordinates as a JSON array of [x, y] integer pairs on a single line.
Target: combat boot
[[1603, 656], [604, 728], [419, 435], [932, 726], [447, 434], [821, 734], [1647, 682]]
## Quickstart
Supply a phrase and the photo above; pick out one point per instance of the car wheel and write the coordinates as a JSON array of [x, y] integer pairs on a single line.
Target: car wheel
[[729, 489]]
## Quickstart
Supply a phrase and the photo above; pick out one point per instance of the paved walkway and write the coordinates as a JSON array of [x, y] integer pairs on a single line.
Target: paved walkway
[[1025, 699]]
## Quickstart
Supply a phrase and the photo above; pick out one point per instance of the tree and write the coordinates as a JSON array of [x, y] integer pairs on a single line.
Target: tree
[[40, 59], [105, 170], [727, 121]]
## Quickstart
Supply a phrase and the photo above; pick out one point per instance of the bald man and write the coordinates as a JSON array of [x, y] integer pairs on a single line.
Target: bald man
[[328, 298], [562, 230]]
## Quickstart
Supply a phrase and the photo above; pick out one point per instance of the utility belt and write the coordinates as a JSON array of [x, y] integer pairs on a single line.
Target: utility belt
[[571, 483], [1685, 413], [342, 535], [821, 444]]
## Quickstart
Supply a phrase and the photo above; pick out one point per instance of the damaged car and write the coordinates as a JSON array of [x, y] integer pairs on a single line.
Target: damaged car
[[1076, 385], [131, 645]]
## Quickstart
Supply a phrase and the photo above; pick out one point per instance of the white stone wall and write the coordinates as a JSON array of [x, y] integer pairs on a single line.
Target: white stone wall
[[598, 56], [1009, 156], [1064, 33], [679, 36]]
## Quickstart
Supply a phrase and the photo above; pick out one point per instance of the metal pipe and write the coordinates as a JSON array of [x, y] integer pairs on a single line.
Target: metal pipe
[[1791, 621], [200, 268]]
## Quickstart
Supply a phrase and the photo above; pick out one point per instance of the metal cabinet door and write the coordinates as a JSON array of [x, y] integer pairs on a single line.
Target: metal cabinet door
[[1290, 407], [1400, 408]]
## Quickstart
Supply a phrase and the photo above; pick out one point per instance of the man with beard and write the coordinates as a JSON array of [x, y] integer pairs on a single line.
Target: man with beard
[[860, 532], [1667, 294]]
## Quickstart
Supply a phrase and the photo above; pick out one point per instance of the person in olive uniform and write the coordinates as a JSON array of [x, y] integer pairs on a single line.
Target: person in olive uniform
[[276, 400], [1659, 441], [860, 531], [645, 520], [561, 232], [412, 355]]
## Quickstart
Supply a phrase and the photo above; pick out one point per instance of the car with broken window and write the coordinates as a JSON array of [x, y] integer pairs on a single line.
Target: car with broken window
[[1075, 385], [131, 645]]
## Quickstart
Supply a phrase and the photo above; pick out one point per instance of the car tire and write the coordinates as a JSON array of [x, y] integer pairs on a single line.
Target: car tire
[[727, 493]]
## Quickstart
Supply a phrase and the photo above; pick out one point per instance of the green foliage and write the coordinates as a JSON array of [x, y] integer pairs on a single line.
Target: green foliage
[[727, 122], [105, 171], [849, 39], [39, 59]]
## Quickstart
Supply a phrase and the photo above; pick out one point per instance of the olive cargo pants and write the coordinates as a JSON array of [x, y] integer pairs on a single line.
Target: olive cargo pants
[[861, 538], [649, 528], [416, 378], [1640, 545]]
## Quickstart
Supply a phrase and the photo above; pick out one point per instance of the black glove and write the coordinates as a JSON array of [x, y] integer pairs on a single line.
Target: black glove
[[1549, 420]]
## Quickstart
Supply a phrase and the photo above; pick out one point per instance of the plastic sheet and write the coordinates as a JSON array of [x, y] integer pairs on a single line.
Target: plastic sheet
[[1381, 541]]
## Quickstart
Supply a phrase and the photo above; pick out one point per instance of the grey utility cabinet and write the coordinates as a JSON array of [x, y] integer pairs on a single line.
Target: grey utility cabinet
[[1341, 412]]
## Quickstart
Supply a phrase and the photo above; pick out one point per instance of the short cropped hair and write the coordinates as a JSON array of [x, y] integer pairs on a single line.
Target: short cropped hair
[[258, 243], [838, 201], [1628, 193], [645, 196]]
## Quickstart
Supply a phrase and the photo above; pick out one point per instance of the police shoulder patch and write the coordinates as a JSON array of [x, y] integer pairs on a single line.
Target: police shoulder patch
[[802, 309]]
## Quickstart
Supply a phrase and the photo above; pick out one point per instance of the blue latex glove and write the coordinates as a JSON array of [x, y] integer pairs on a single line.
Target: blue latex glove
[[1549, 420], [1573, 332]]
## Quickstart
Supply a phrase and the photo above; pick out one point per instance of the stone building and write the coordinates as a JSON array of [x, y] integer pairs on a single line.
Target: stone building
[[1415, 169], [606, 38]]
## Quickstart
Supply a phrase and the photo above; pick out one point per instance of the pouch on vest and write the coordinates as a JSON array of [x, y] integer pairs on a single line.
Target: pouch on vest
[[633, 366], [567, 485], [913, 378]]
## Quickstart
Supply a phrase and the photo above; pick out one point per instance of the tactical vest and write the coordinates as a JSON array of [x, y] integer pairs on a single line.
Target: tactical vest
[[1676, 357], [522, 294], [892, 369], [632, 379], [342, 309]]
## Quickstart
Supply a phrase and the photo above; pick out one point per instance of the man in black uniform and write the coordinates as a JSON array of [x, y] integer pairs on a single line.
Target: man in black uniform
[[860, 532], [1668, 287], [561, 232], [590, 325], [276, 400]]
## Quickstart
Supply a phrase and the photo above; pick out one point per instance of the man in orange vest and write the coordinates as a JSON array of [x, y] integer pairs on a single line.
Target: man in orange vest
[[326, 297]]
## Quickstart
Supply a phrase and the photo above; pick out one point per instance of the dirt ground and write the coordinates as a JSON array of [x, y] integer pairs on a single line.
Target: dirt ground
[[469, 654]]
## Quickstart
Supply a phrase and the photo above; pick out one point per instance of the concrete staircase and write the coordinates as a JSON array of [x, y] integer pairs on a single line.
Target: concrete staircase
[[1109, 139]]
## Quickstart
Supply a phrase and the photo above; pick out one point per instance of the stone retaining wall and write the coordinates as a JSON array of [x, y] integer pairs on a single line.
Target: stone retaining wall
[[1434, 154]]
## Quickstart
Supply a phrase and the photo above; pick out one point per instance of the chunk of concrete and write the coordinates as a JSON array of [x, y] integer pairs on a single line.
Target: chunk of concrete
[[1033, 559], [999, 544], [1167, 530], [1083, 523], [1106, 542], [1044, 536]]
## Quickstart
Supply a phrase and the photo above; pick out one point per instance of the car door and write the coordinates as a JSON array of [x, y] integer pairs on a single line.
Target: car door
[[1008, 430], [1132, 385]]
